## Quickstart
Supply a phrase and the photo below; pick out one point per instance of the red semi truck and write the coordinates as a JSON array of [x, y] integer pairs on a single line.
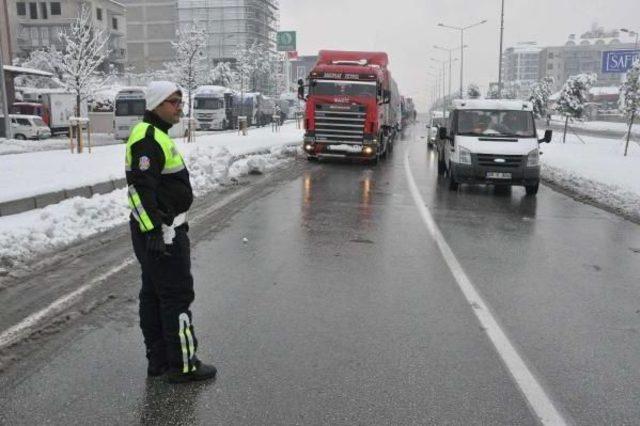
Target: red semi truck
[[353, 107]]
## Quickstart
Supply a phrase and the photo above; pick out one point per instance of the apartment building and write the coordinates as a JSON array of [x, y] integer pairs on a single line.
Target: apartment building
[[151, 27], [37, 25]]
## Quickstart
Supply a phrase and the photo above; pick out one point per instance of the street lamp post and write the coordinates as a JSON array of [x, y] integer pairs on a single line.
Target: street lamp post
[[450, 60], [444, 96], [462, 29], [631, 33], [500, 56]]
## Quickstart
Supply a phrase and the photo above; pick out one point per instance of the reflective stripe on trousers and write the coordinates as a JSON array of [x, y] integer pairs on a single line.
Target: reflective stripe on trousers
[[186, 342]]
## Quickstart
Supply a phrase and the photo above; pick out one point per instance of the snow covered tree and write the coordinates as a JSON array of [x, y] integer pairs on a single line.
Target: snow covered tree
[[573, 98], [492, 93], [222, 75], [473, 91], [190, 64], [85, 49], [253, 64], [540, 94], [48, 60], [630, 98]]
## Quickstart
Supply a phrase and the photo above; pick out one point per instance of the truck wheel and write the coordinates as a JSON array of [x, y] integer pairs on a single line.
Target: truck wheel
[[532, 189], [453, 185]]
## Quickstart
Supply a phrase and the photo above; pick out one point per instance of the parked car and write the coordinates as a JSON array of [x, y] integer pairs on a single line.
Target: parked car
[[27, 127], [492, 142]]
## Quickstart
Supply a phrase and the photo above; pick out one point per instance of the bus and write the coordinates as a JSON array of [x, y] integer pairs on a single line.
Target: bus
[[129, 110]]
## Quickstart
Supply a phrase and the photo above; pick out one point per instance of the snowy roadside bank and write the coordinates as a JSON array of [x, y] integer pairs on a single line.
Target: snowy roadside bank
[[212, 165], [595, 172]]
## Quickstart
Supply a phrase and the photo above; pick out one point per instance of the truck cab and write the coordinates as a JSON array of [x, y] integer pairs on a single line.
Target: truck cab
[[348, 113], [491, 142], [211, 106]]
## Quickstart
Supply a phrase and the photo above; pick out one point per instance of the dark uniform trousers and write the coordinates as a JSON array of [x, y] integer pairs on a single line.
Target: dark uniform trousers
[[165, 297]]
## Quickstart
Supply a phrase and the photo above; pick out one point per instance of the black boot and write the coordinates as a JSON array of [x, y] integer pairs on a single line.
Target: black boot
[[157, 368], [202, 372]]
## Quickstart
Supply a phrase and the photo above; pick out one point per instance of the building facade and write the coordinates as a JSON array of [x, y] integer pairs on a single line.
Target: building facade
[[151, 28], [232, 24], [520, 67], [580, 55], [37, 25]]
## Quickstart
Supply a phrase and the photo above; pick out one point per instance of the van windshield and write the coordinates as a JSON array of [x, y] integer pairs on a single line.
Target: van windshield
[[126, 107], [495, 123]]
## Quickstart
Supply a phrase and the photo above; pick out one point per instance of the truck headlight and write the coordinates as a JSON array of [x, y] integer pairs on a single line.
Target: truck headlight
[[533, 158], [464, 156]]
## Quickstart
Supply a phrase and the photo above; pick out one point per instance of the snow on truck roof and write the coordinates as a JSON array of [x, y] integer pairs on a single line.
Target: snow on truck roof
[[492, 104], [212, 90], [331, 57]]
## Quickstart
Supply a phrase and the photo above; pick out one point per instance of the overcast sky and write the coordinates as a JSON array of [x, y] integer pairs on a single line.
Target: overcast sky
[[407, 30]]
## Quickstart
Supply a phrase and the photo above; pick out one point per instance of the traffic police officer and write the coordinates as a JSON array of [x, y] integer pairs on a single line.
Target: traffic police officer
[[160, 195]]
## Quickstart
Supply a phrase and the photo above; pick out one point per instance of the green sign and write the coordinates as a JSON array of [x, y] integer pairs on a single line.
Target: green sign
[[286, 41]]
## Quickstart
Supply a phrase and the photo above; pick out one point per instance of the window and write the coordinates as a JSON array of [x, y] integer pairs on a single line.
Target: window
[[23, 122], [22, 8], [43, 11], [114, 23], [33, 10], [99, 14], [55, 8], [496, 123]]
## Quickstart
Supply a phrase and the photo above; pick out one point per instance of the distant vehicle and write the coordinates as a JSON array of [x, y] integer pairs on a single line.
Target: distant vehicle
[[436, 121], [212, 107], [57, 107], [27, 127], [348, 111], [264, 114], [129, 110], [492, 142]]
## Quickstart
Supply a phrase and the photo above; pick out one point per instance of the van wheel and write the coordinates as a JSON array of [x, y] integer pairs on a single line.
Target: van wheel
[[20, 137], [453, 185], [532, 189]]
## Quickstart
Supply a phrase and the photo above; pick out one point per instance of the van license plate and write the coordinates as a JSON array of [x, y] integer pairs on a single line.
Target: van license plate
[[498, 175]]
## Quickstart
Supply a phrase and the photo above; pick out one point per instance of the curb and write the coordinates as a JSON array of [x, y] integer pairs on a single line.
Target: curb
[[22, 205]]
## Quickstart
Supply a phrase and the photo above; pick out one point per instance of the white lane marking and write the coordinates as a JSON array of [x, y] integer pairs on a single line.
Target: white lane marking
[[532, 390], [23, 328]]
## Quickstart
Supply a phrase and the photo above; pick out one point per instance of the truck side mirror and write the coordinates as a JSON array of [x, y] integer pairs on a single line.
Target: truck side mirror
[[386, 96], [442, 133], [548, 135]]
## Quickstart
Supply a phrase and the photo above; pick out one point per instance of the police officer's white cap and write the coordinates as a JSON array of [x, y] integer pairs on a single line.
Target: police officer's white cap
[[159, 91]]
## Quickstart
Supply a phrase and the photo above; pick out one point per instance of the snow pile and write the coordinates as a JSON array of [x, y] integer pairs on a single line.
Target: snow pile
[[596, 171], [15, 146], [26, 235]]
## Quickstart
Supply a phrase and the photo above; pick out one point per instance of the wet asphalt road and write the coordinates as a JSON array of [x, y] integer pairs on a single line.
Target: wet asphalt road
[[339, 309]]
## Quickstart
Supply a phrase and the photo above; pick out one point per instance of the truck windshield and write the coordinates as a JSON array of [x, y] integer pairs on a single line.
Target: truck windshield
[[130, 107], [208, 103], [343, 88], [495, 123]]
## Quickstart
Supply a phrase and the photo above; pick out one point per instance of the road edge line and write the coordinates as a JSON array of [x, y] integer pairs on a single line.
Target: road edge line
[[534, 393]]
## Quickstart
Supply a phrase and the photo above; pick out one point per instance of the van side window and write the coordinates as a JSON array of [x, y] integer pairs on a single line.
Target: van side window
[[24, 122]]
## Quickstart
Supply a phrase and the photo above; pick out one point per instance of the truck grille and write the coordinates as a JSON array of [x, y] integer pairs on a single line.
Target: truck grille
[[340, 123], [503, 161]]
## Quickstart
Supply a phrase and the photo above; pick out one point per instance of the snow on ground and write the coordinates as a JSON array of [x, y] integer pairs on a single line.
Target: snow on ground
[[15, 146], [596, 170], [605, 126], [35, 170], [212, 163]]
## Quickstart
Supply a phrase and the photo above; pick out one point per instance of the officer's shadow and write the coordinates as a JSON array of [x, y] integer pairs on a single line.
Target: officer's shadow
[[165, 403]]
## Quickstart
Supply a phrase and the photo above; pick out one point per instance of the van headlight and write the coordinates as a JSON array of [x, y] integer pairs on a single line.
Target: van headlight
[[464, 156], [533, 158]]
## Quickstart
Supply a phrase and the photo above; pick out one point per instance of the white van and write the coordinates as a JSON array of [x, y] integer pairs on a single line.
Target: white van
[[28, 127], [493, 142]]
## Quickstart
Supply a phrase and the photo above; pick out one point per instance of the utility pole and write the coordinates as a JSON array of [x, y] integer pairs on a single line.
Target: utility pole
[[5, 100], [500, 57]]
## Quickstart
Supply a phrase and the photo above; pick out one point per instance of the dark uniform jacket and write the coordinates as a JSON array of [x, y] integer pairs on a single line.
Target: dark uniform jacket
[[163, 196]]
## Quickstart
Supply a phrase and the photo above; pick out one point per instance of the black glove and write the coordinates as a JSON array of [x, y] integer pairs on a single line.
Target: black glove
[[155, 245]]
